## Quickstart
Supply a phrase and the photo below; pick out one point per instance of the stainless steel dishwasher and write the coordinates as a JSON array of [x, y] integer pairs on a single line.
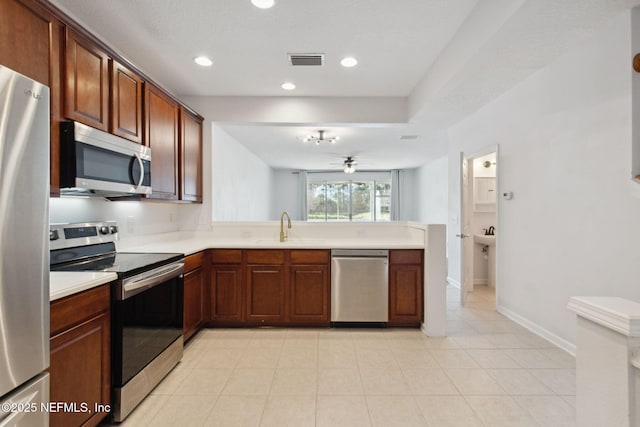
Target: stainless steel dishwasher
[[359, 285]]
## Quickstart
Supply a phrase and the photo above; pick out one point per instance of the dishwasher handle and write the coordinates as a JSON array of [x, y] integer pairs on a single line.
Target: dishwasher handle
[[360, 258], [359, 253]]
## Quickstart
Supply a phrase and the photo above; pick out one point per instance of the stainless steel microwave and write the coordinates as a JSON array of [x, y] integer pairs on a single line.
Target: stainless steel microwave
[[93, 162]]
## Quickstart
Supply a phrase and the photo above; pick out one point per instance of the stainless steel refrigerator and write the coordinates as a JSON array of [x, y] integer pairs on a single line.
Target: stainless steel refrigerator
[[24, 250]]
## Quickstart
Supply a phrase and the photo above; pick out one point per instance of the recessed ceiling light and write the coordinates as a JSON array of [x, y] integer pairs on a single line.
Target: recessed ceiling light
[[349, 62], [288, 86], [263, 4], [203, 60]]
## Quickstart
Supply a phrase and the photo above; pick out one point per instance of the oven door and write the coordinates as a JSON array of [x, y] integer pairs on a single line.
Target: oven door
[[147, 319]]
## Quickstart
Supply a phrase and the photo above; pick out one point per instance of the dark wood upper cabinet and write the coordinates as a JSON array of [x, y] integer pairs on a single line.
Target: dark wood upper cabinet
[[126, 103], [190, 157], [30, 43], [26, 39], [162, 136], [86, 82], [90, 83]]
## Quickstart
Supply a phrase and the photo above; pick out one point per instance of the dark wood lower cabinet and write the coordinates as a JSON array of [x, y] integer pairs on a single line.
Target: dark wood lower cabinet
[[309, 294], [194, 291], [405, 287], [225, 290], [80, 363], [266, 285], [276, 287], [265, 293]]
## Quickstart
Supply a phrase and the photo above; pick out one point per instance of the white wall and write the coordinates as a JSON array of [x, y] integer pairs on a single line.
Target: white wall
[[242, 183], [431, 192], [286, 195], [572, 226]]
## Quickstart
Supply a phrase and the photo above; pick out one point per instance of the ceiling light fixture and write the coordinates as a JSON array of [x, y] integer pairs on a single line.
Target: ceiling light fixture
[[321, 138], [288, 86], [349, 62], [203, 61], [263, 4], [349, 167]]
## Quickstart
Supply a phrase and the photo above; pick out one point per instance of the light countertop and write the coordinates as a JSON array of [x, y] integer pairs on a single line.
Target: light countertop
[[190, 246], [65, 283], [249, 236]]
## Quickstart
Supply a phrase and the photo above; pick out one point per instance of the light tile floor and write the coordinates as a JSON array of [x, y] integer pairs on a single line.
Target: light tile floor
[[489, 371]]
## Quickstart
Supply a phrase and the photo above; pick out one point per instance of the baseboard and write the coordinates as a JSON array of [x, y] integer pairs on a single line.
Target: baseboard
[[453, 282], [480, 282], [538, 330]]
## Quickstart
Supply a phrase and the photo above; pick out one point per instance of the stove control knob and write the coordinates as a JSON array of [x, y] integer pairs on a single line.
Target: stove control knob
[[53, 235], [113, 229], [104, 230]]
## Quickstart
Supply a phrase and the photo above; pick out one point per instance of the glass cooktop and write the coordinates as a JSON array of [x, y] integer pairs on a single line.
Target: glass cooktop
[[100, 258]]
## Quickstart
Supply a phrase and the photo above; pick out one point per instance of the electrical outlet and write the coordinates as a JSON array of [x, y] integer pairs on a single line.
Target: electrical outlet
[[172, 217], [131, 224]]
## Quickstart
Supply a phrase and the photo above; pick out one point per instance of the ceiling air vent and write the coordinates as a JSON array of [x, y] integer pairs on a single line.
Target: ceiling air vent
[[305, 59], [408, 137]]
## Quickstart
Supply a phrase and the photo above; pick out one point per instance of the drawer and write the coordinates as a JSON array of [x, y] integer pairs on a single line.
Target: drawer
[[193, 261], [75, 309], [309, 256], [406, 256], [265, 257], [226, 256]]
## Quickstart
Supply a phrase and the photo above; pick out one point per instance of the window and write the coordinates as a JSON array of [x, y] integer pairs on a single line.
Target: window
[[352, 200]]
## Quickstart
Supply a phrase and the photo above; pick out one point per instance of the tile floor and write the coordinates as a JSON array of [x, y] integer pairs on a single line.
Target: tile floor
[[488, 372]]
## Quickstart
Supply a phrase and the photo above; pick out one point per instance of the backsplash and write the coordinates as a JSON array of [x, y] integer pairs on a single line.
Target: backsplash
[[134, 218]]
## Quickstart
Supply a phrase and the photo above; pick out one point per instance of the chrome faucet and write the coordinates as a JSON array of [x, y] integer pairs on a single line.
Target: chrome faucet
[[283, 233], [491, 231]]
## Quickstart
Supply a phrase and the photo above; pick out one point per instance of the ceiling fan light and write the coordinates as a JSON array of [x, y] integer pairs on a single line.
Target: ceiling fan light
[[349, 169]]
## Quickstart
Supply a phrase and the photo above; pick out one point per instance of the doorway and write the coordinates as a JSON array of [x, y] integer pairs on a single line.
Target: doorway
[[479, 231]]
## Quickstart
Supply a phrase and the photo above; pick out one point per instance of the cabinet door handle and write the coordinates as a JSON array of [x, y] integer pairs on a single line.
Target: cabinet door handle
[[462, 236]]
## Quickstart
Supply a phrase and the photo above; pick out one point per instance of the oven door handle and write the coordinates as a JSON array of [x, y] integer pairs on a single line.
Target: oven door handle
[[149, 279]]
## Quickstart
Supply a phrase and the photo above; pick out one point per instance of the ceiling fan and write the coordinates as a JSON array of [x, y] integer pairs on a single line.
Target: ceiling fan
[[349, 164]]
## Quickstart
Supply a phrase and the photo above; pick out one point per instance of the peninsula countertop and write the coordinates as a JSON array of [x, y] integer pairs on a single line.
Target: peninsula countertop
[[263, 235]]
